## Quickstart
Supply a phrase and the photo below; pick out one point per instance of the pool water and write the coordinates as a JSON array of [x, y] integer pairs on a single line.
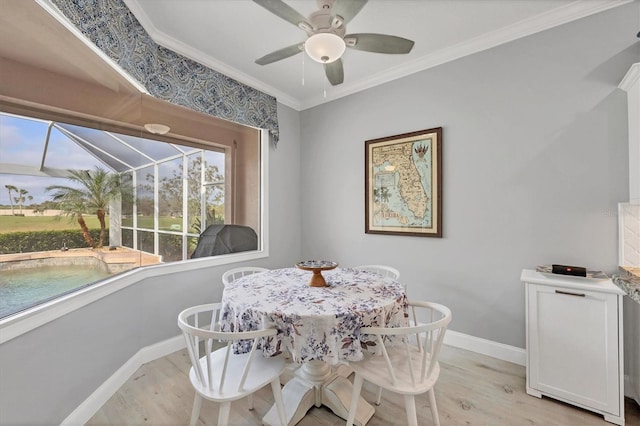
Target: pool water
[[23, 288]]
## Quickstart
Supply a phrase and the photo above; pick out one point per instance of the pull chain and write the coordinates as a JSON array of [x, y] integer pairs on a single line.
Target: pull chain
[[303, 68], [324, 85]]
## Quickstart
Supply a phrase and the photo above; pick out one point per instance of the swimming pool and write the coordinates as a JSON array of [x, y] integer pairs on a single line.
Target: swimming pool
[[25, 287], [28, 279]]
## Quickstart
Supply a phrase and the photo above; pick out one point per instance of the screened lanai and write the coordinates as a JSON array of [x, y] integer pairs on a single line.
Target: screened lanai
[[177, 189]]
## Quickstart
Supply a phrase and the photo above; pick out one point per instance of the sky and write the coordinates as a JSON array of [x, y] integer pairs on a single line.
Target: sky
[[22, 142]]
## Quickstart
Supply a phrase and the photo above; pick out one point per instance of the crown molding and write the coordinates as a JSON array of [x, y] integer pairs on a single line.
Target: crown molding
[[544, 21], [630, 78]]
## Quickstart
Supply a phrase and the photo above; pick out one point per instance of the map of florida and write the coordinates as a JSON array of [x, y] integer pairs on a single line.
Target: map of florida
[[410, 185]]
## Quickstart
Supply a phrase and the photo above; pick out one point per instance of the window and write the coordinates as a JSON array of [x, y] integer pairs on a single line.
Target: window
[[175, 200], [172, 190]]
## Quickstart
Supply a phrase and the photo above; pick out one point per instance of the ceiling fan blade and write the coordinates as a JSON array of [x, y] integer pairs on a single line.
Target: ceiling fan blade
[[347, 9], [283, 10], [280, 54], [379, 43], [335, 72]]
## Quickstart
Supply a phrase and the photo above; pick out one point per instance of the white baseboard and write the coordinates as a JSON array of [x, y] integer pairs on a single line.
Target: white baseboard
[[510, 354], [100, 396], [486, 347]]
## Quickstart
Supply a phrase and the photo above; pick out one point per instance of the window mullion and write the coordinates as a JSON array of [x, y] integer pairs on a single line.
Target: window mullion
[[185, 205], [156, 210]]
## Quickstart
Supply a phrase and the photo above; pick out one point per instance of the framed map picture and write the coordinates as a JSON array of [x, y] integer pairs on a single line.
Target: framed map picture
[[403, 184]]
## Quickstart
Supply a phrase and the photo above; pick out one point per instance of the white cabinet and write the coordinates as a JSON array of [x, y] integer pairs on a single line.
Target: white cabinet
[[574, 342]]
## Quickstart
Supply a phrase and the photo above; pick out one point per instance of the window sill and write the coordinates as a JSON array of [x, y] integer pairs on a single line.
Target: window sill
[[29, 319]]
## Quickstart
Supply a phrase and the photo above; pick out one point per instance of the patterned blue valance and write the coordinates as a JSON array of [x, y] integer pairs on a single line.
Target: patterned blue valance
[[165, 74]]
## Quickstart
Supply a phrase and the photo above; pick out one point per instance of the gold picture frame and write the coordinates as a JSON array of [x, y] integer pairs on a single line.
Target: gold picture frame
[[403, 184]]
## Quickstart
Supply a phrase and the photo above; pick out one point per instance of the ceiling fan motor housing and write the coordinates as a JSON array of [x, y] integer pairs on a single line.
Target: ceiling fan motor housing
[[322, 21]]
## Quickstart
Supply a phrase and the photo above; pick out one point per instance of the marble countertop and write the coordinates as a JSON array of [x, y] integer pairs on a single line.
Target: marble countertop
[[630, 283]]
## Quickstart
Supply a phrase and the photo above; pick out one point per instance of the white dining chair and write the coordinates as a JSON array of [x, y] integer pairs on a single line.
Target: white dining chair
[[385, 271], [408, 362], [220, 375], [233, 274]]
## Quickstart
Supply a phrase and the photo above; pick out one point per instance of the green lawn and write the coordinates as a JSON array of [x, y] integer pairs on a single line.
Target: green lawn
[[54, 223], [43, 223]]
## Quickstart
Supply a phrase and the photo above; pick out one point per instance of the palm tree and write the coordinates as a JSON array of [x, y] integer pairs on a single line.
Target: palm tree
[[21, 198], [92, 193], [11, 188]]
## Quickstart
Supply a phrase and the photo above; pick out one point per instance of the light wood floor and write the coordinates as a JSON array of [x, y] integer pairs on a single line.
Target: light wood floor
[[472, 390]]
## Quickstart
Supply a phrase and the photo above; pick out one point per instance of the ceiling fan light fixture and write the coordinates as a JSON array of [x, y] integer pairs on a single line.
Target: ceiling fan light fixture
[[324, 47]]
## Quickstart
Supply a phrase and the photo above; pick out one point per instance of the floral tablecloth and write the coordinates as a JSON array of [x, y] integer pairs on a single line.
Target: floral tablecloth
[[314, 323]]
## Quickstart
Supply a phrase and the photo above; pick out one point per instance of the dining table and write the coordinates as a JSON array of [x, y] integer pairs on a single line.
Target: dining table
[[318, 327]]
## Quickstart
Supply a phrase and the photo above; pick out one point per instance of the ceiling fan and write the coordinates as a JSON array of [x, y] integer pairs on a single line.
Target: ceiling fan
[[327, 39]]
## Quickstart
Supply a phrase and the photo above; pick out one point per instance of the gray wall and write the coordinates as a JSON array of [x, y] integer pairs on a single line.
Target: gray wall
[[48, 372], [535, 160]]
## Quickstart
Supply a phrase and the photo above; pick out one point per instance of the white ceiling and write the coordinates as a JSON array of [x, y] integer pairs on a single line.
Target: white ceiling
[[229, 35]]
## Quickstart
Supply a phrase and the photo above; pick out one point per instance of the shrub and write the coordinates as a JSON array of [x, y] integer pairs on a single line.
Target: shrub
[[25, 242]]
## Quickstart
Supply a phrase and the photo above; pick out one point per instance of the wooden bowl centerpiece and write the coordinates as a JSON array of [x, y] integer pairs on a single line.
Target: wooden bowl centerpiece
[[316, 266]]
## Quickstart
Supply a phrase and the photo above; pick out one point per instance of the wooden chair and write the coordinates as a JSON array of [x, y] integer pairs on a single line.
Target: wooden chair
[[221, 376], [408, 363], [234, 274], [385, 271]]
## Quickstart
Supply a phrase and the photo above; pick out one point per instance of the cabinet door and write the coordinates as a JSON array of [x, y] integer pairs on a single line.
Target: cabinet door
[[573, 344]]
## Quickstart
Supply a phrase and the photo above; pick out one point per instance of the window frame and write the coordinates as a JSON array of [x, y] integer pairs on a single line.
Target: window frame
[[22, 322], [184, 232]]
